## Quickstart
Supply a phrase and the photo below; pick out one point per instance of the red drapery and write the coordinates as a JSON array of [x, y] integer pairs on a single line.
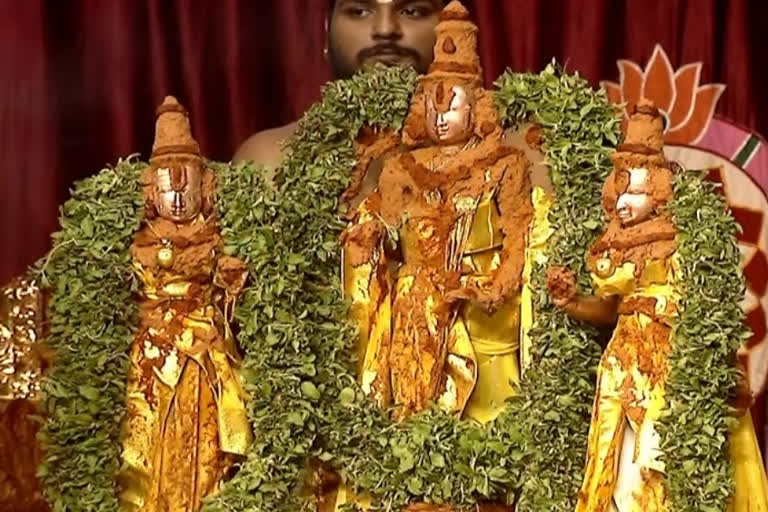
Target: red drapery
[[80, 79]]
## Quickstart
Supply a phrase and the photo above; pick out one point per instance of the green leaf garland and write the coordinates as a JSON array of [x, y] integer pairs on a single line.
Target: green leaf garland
[[703, 372], [299, 367], [92, 317], [580, 129]]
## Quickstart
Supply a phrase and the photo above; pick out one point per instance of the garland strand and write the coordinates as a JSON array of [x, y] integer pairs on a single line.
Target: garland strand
[[295, 332], [703, 373], [579, 130], [89, 276], [300, 369]]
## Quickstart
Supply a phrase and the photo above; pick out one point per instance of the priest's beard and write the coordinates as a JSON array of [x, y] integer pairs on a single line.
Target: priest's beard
[[345, 67]]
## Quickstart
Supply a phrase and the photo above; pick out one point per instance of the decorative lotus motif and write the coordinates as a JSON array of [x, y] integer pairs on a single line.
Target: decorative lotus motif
[[687, 107]]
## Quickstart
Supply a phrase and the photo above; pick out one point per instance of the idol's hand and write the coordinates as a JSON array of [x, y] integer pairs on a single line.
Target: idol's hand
[[561, 282], [488, 299]]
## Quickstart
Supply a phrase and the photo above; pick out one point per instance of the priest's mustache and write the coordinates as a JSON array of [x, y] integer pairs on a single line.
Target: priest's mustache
[[387, 49]]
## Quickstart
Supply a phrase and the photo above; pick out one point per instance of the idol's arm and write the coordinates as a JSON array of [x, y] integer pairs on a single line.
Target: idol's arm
[[363, 239], [516, 210], [516, 213], [593, 309], [597, 310], [367, 283]]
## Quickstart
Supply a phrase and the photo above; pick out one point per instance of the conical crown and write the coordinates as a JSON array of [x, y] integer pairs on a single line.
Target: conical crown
[[456, 45], [645, 131], [173, 134]]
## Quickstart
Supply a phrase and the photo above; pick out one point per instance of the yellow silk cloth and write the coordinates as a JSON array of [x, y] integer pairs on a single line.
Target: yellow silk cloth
[[186, 415], [635, 483], [496, 338], [624, 471], [491, 341], [751, 493], [535, 254]]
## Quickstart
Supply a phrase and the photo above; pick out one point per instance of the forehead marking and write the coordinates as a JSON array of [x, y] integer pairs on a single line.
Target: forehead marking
[[638, 177], [459, 97]]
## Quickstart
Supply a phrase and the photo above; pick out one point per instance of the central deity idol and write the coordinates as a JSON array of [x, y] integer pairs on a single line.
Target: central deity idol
[[434, 256]]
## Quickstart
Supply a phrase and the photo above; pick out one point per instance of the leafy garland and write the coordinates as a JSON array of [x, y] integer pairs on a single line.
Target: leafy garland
[[92, 312], [299, 368], [294, 327], [703, 374], [579, 129]]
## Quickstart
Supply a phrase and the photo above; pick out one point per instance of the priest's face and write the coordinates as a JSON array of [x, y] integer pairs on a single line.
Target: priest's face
[[392, 32], [178, 192]]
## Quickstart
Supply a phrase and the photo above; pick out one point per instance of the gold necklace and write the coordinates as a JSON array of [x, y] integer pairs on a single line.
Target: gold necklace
[[449, 152], [165, 255]]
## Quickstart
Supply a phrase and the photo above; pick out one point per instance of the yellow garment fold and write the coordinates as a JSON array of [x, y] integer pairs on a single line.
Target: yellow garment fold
[[345, 496], [626, 398], [235, 434], [495, 378], [751, 485], [185, 410], [535, 254], [494, 334], [485, 231]]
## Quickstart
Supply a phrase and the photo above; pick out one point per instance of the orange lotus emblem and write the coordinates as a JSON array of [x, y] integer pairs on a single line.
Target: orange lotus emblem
[[687, 106]]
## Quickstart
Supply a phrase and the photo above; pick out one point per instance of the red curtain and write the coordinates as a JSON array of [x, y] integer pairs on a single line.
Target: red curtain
[[80, 79]]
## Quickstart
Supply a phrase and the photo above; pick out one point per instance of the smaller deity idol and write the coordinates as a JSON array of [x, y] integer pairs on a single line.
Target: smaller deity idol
[[634, 268], [186, 421]]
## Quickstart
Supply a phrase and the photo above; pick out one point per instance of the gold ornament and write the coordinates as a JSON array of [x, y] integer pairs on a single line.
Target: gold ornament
[[604, 267], [165, 257]]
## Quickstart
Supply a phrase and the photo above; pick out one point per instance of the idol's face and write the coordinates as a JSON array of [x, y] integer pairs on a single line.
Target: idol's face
[[636, 203], [178, 192], [454, 124], [391, 32]]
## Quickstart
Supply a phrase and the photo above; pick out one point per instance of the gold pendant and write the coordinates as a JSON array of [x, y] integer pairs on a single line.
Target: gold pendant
[[165, 255], [604, 268]]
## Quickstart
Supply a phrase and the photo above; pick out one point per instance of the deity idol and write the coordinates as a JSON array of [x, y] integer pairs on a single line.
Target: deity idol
[[434, 256], [634, 269], [186, 422]]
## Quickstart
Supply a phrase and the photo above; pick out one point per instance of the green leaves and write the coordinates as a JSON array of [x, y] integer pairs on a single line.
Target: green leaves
[[292, 318], [299, 366], [703, 375], [309, 390], [300, 369], [92, 316], [579, 129]]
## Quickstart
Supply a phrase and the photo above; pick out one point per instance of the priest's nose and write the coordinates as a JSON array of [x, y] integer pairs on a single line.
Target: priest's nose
[[386, 23]]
